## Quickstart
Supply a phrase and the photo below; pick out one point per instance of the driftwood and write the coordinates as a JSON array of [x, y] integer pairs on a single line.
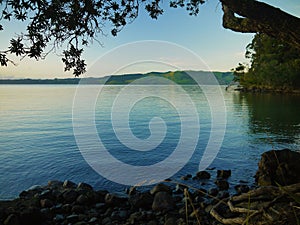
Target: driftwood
[[264, 205]]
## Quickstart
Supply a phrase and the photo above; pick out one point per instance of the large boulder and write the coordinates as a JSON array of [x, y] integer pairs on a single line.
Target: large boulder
[[278, 167], [163, 201]]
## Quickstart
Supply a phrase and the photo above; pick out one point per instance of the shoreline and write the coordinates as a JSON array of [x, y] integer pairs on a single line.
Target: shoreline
[[66, 202], [168, 202], [263, 90]]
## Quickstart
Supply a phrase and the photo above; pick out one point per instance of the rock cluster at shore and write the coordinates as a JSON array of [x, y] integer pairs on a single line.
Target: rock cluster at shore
[[69, 203], [166, 203]]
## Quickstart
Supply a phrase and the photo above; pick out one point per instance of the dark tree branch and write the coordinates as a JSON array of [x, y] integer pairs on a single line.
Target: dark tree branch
[[261, 18]]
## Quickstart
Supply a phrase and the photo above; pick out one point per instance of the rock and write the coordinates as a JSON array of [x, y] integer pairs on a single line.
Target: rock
[[213, 192], [222, 184], [189, 176], [152, 222], [278, 166], [80, 223], [163, 201], [224, 174], [30, 192], [12, 219], [31, 216], [115, 199], [85, 186], [93, 220], [72, 218], [202, 175], [198, 199], [179, 189], [46, 203], [241, 188], [177, 198], [77, 209], [131, 191], [100, 196], [54, 184], [70, 196], [208, 208], [100, 205], [223, 194], [106, 221], [82, 200], [69, 184], [141, 200], [25, 195], [200, 192], [160, 188], [171, 221], [123, 214], [57, 195], [119, 215], [182, 211], [136, 217], [108, 212], [46, 194], [184, 178], [57, 209], [58, 218], [66, 208]]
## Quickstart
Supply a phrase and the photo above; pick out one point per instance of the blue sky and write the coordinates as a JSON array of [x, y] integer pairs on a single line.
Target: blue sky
[[219, 48]]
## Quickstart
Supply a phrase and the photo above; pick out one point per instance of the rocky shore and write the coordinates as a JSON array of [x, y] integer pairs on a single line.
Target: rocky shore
[[168, 202]]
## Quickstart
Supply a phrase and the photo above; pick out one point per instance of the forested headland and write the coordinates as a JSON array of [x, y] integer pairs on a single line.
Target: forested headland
[[274, 66]]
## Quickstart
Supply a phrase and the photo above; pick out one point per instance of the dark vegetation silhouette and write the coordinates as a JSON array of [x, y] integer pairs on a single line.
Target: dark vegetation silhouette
[[274, 65]]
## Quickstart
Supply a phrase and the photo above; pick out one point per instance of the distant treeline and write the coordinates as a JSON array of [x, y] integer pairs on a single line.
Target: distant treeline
[[179, 77]]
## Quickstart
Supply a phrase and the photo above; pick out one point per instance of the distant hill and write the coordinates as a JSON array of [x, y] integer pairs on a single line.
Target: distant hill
[[179, 77]]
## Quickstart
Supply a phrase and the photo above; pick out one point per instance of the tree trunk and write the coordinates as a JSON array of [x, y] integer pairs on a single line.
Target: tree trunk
[[259, 17]]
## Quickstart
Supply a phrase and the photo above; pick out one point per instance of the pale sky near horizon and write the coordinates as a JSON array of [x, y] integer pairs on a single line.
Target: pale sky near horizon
[[221, 49]]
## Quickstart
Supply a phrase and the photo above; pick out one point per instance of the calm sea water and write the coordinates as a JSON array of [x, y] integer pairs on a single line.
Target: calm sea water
[[37, 141]]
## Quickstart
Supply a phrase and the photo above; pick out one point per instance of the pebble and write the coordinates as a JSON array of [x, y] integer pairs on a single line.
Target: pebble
[[58, 217], [69, 184], [241, 188], [70, 196], [46, 203], [82, 200], [222, 184], [160, 188], [84, 186], [213, 192], [72, 218], [12, 219], [93, 220], [202, 175], [224, 174], [115, 199], [163, 201], [46, 194]]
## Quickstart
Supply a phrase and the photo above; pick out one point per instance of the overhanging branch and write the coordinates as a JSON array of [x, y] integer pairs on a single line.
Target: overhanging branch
[[261, 17]]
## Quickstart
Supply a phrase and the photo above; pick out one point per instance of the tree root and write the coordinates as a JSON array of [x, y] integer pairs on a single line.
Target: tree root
[[264, 205]]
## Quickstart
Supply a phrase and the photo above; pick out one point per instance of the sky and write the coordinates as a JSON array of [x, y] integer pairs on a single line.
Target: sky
[[220, 49]]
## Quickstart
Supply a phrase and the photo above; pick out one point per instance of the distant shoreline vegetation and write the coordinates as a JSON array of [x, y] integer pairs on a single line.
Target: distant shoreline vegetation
[[178, 77]]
